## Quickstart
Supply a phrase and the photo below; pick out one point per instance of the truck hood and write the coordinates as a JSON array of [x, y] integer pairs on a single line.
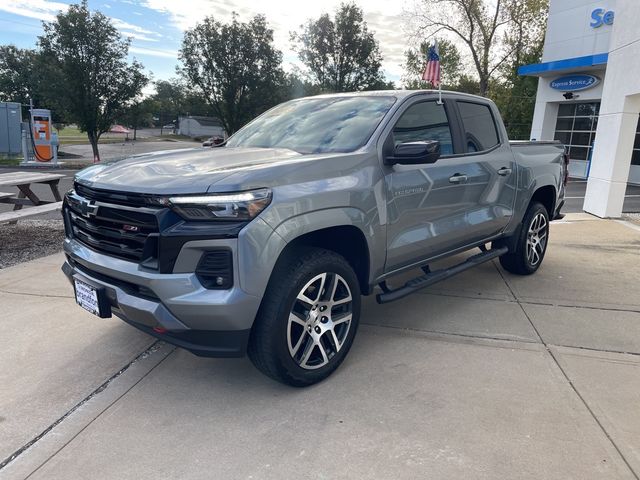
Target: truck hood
[[191, 170]]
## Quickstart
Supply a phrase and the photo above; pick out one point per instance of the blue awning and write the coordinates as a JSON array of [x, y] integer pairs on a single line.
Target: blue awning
[[537, 69]]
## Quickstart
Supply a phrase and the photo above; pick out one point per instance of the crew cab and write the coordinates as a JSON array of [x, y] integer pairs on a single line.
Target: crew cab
[[265, 243]]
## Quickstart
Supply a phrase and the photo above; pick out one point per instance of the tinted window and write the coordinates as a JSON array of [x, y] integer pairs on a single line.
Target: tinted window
[[424, 121], [479, 126], [316, 125]]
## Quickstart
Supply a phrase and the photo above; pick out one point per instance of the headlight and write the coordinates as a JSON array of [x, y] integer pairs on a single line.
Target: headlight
[[240, 206]]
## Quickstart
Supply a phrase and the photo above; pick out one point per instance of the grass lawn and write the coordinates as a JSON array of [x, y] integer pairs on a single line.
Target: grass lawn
[[10, 161], [67, 132], [73, 136]]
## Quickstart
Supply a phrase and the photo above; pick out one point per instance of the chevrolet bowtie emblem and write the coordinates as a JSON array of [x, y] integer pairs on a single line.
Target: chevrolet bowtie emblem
[[87, 209]]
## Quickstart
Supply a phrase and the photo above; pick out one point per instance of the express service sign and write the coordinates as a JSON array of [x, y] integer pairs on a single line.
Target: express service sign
[[574, 83]]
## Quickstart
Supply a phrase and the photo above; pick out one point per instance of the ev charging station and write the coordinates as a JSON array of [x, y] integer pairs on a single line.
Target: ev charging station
[[41, 134], [39, 142], [34, 138]]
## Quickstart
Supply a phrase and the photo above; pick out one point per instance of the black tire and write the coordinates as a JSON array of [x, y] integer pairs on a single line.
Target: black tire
[[273, 334], [522, 261]]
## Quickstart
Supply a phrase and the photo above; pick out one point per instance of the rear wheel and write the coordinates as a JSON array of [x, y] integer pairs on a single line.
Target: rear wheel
[[531, 244], [308, 318]]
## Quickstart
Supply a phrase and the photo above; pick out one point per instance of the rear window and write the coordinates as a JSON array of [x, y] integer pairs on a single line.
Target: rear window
[[479, 126]]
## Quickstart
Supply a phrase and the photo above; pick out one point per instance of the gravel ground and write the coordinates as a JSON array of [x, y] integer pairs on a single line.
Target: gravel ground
[[28, 240]]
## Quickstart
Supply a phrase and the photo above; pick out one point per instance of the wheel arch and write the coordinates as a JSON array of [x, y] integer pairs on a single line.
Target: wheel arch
[[346, 240], [546, 195]]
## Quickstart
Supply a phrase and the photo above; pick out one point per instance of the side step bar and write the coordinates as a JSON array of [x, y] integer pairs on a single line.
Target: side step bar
[[437, 276]]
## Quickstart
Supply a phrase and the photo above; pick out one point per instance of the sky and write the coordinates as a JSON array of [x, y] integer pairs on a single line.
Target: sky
[[157, 26]]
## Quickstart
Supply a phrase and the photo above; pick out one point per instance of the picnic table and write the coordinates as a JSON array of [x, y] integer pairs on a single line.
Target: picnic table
[[26, 196]]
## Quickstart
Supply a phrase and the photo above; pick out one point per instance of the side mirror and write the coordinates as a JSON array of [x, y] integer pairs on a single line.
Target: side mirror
[[411, 153]]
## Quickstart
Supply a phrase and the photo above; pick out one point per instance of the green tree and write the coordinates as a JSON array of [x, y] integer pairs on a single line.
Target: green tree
[[235, 67], [170, 98], [341, 55], [174, 98], [451, 68], [139, 114], [22, 79], [18, 79], [515, 94], [491, 30], [87, 71]]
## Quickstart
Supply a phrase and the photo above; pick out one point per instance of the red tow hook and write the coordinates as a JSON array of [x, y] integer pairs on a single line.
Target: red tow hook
[[159, 329]]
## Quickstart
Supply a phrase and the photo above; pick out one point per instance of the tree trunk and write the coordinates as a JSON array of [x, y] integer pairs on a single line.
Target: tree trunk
[[484, 86], [93, 140]]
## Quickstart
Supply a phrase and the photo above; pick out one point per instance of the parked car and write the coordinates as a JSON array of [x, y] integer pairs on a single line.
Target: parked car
[[266, 244], [169, 126], [212, 141]]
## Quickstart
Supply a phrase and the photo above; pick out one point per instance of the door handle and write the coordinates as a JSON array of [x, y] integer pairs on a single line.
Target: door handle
[[458, 178], [504, 171]]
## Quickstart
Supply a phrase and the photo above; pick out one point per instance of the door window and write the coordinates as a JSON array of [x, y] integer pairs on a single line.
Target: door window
[[424, 121], [479, 126]]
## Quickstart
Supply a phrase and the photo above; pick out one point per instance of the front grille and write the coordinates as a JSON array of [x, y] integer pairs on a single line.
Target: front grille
[[109, 196], [119, 232]]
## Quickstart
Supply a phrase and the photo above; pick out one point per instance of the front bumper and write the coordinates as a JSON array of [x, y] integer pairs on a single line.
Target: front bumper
[[173, 307]]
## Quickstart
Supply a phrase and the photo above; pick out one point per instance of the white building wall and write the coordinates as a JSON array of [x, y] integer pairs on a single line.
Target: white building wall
[[548, 99], [192, 128], [618, 117], [546, 112], [569, 34]]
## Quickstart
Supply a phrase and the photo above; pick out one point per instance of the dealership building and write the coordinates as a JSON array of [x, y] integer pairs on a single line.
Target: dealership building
[[589, 95]]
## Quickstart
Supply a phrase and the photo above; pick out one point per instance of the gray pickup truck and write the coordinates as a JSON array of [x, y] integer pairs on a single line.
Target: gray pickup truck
[[265, 244]]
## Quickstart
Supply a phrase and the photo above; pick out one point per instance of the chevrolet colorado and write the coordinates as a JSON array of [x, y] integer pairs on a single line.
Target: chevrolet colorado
[[265, 244]]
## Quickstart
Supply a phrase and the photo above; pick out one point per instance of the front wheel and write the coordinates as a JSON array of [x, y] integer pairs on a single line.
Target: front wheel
[[308, 318], [531, 244]]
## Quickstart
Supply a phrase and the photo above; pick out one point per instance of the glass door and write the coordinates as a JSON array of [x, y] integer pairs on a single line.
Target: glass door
[[576, 128]]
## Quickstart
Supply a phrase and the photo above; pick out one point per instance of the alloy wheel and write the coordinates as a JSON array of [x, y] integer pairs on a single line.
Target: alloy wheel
[[319, 320], [537, 239]]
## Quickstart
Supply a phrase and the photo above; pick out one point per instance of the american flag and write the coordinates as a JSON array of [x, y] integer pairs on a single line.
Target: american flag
[[432, 70]]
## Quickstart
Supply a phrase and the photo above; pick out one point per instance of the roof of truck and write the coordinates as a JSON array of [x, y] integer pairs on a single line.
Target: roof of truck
[[395, 93]]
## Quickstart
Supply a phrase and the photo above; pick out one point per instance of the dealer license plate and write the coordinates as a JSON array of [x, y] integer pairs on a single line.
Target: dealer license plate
[[87, 297]]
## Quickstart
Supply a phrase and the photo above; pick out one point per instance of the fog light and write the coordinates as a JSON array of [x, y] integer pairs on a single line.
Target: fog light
[[215, 269]]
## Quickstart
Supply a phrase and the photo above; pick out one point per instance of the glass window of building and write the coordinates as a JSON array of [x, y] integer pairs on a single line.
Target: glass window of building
[[576, 128], [635, 158]]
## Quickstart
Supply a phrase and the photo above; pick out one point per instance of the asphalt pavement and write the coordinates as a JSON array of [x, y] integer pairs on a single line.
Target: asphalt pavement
[[487, 375]]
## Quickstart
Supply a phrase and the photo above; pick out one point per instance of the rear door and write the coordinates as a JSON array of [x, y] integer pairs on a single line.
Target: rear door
[[491, 193], [435, 208]]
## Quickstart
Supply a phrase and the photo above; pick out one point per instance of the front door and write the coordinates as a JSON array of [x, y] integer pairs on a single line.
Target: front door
[[435, 208]]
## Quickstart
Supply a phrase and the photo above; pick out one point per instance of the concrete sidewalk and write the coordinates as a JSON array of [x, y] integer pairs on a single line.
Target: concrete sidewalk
[[485, 376]]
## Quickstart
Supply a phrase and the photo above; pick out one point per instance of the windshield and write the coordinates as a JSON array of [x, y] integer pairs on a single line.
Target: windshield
[[316, 125]]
